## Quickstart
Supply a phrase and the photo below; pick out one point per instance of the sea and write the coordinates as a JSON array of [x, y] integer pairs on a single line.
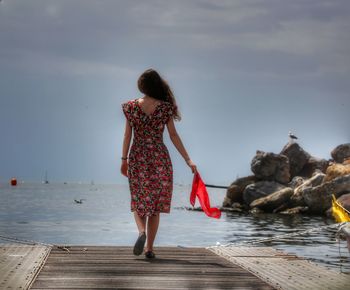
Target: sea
[[48, 213]]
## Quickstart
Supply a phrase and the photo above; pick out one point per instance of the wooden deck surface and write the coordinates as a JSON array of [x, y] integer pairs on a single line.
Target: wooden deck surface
[[19, 264], [282, 270], [109, 267]]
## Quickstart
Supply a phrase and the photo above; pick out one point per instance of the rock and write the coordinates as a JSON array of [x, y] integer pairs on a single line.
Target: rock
[[317, 171], [344, 200], [237, 205], [260, 189], [227, 202], [296, 181], [336, 170], [231, 209], [341, 152], [273, 200], [346, 161], [297, 156], [270, 166], [314, 164], [329, 213], [256, 210], [295, 210], [297, 197], [235, 191], [319, 198], [282, 207]]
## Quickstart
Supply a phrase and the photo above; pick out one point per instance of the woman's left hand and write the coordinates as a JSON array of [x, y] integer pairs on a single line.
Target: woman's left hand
[[191, 164]]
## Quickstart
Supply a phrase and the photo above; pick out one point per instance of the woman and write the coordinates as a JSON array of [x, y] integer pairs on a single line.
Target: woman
[[148, 165]]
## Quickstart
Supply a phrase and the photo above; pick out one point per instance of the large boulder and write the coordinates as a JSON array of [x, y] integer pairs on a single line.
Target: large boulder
[[336, 170], [297, 198], [260, 189], [341, 152], [319, 198], [297, 156], [273, 200], [313, 165], [270, 166], [235, 191]]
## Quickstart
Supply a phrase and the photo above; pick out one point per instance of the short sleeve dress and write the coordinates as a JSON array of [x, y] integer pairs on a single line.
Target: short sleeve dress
[[150, 170]]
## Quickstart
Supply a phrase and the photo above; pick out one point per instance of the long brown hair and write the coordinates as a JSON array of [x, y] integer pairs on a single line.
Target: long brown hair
[[153, 85]]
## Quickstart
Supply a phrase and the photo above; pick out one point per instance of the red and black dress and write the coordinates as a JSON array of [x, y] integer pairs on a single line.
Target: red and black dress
[[150, 169]]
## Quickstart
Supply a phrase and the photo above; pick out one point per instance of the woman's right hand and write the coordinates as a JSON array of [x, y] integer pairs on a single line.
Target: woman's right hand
[[191, 164], [124, 168]]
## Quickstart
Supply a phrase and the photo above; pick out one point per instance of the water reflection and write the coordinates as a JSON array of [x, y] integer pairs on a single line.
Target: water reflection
[[318, 246]]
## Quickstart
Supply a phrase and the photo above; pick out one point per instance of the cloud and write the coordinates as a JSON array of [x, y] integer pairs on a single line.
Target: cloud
[[47, 64], [250, 37]]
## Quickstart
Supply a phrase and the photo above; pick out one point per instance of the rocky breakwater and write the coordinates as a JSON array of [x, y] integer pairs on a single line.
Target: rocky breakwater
[[292, 181]]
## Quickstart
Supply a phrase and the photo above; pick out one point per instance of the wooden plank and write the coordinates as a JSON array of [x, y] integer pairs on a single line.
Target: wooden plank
[[283, 271], [106, 267], [20, 263]]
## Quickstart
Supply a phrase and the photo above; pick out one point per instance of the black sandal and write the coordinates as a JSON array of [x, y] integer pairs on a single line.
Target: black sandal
[[140, 243], [150, 255]]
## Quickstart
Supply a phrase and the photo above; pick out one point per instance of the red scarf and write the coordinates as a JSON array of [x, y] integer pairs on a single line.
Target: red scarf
[[199, 190]]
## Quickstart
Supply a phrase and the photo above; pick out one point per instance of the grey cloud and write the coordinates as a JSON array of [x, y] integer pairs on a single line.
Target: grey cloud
[[251, 30]]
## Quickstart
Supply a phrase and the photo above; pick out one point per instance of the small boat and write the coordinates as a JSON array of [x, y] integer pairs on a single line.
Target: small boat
[[339, 212], [13, 181], [46, 181]]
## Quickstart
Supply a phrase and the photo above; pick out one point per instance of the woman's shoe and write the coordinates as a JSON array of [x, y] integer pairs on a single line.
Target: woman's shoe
[[150, 255], [139, 245]]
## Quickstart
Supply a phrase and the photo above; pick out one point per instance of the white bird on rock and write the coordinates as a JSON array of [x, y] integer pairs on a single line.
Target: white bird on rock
[[292, 136]]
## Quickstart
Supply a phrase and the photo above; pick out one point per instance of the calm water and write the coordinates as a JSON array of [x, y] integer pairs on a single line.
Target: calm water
[[48, 213]]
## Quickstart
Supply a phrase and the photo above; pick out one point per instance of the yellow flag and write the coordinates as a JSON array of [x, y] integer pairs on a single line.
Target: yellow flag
[[339, 212]]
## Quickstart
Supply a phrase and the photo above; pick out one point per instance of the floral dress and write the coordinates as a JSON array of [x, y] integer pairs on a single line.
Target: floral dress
[[150, 169]]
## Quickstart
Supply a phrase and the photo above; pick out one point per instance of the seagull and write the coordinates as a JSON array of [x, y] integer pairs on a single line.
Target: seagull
[[79, 201], [292, 136]]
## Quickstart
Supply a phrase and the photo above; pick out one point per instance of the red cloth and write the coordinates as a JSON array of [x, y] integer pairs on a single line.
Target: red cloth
[[199, 190]]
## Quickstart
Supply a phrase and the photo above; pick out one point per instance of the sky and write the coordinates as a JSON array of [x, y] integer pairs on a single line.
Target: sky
[[244, 73]]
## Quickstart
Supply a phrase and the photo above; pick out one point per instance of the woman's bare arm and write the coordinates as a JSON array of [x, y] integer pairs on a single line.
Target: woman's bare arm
[[175, 138], [126, 145]]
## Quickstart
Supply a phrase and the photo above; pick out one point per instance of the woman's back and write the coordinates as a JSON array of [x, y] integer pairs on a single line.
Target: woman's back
[[148, 125]]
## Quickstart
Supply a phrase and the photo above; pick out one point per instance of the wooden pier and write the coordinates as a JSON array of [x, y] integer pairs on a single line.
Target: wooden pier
[[112, 267]]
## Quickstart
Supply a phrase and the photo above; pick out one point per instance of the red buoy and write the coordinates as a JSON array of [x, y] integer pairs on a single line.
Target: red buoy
[[13, 181]]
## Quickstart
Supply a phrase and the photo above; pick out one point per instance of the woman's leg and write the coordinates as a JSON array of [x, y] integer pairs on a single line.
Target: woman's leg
[[152, 227], [140, 222]]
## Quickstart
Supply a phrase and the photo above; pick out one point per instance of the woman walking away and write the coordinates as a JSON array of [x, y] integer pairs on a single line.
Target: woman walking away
[[148, 165]]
